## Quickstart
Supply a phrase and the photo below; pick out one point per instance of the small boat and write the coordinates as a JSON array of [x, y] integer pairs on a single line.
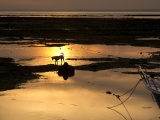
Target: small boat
[[156, 98], [151, 82]]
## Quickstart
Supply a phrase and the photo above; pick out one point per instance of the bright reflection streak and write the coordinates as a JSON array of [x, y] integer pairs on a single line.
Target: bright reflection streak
[[77, 98], [42, 55], [56, 51]]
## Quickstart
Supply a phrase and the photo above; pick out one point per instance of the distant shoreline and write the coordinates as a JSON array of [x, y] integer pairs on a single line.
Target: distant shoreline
[[84, 14]]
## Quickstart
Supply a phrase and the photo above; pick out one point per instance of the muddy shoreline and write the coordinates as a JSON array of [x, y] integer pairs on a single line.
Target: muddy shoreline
[[51, 32], [13, 74], [109, 31]]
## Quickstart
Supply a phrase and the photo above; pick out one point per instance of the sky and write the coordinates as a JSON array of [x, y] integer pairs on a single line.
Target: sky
[[74, 5]]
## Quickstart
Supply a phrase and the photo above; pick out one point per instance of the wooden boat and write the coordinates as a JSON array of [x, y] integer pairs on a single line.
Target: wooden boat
[[156, 98], [151, 82]]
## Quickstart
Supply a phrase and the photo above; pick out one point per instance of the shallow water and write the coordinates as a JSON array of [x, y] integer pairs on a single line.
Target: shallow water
[[82, 96], [42, 55]]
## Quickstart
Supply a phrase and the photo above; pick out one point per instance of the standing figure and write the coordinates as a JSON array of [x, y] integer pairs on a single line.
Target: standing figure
[[56, 58]]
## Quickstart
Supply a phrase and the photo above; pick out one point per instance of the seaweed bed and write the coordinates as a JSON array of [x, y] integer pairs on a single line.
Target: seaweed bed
[[52, 32]]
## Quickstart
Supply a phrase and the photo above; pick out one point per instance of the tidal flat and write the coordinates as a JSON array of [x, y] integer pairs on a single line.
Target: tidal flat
[[104, 52]]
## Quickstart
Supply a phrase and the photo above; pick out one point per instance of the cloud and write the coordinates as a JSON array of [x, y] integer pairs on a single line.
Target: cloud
[[78, 4]]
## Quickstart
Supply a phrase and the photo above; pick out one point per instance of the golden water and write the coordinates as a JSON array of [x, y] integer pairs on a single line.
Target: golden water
[[81, 97]]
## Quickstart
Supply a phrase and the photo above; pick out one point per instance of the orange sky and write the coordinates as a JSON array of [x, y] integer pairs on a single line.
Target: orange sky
[[78, 4]]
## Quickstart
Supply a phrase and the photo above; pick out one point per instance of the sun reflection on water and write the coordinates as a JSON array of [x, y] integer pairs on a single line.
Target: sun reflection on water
[[42, 55], [56, 51]]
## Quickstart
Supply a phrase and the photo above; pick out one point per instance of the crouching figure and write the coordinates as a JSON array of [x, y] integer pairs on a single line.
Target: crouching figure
[[66, 71]]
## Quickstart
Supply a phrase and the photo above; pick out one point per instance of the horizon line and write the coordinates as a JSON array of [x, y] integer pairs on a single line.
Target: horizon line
[[92, 10]]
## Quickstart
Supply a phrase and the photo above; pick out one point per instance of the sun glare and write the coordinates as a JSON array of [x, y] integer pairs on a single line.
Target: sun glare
[[56, 51]]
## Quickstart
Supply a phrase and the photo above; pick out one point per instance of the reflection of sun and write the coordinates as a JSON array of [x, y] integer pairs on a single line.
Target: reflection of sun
[[64, 51], [56, 51]]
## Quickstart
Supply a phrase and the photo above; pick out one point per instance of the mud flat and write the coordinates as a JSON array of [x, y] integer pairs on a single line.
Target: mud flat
[[110, 31], [13, 74], [39, 85], [52, 32]]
